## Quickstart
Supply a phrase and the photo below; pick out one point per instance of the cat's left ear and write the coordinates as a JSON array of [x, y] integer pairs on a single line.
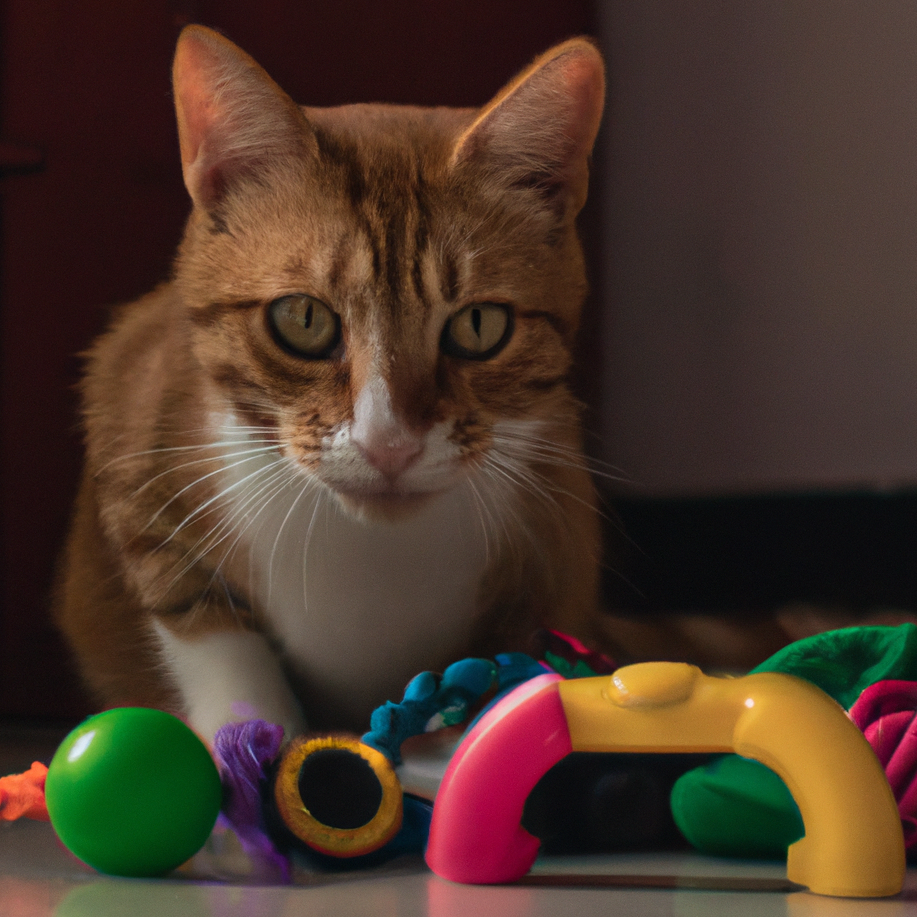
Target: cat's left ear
[[540, 129], [233, 119]]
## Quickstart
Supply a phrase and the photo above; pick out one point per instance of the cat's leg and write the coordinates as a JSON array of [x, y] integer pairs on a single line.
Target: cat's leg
[[103, 621], [200, 662], [225, 676]]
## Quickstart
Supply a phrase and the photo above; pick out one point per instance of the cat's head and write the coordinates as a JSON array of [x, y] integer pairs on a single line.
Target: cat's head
[[390, 292]]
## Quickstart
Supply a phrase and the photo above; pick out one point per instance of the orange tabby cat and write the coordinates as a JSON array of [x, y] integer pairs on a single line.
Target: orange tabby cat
[[339, 447]]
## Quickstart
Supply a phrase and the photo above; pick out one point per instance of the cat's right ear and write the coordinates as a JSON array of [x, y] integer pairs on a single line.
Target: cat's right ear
[[233, 119], [540, 129]]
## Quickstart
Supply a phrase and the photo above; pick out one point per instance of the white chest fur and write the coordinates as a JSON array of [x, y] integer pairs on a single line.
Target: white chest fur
[[360, 607]]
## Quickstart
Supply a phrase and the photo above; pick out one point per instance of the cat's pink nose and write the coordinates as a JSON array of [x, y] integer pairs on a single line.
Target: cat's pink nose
[[391, 458], [384, 439]]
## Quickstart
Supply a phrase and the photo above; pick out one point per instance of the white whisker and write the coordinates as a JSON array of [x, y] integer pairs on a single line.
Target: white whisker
[[485, 517], [527, 449], [250, 455], [504, 484], [511, 439], [307, 485], [199, 447], [321, 502], [212, 539], [520, 474]]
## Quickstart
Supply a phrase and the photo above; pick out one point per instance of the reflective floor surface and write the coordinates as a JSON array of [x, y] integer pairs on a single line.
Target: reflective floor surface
[[38, 878]]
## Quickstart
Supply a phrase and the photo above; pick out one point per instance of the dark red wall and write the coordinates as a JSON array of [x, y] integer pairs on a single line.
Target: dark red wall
[[88, 85]]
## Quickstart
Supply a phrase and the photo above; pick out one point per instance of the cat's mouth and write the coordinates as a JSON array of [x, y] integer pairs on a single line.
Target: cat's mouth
[[386, 505]]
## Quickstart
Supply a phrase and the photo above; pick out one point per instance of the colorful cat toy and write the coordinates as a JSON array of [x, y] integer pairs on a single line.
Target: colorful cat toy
[[339, 797]]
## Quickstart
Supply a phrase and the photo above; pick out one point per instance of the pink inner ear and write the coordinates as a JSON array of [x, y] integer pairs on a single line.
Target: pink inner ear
[[586, 88], [198, 113], [210, 76], [545, 122], [194, 104], [232, 117]]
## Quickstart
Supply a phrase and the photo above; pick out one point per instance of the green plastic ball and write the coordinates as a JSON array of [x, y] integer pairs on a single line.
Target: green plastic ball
[[133, 792]]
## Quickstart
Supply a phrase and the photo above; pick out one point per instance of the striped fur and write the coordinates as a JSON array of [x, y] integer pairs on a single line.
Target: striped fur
[[262, 531]]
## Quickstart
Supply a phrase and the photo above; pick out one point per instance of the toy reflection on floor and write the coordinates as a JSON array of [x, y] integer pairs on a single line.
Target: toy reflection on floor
[[339, 797]]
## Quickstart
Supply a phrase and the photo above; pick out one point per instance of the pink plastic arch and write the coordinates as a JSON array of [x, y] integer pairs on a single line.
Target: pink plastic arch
[[477, 837]]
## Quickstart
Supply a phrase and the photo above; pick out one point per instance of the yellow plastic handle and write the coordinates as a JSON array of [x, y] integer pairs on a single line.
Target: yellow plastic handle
[[853, 845]]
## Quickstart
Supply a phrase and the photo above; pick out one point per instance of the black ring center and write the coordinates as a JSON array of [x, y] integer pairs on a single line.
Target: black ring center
[[339, 788]]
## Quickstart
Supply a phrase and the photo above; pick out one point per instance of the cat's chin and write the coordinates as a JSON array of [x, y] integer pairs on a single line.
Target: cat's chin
[[383, 506]]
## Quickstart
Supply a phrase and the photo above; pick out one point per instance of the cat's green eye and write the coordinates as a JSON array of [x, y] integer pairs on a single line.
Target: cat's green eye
[[479, 332], [304, 325]]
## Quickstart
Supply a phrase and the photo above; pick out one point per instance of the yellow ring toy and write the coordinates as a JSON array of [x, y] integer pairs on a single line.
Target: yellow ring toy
[[338, 796]]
